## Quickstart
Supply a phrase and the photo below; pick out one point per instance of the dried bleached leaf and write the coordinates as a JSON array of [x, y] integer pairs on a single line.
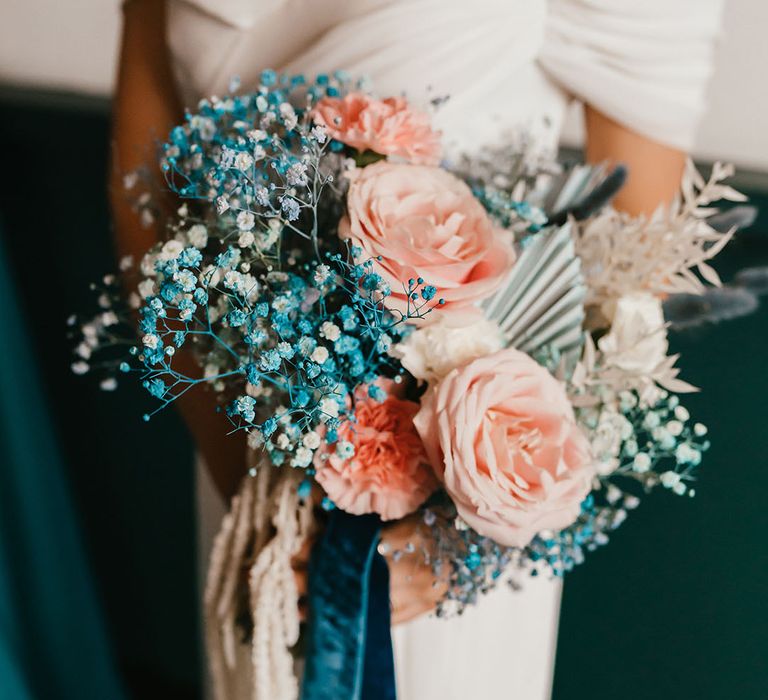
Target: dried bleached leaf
[[659, 254]]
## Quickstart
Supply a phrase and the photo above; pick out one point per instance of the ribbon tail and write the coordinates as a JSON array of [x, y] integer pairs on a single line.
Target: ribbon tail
[[349, 645]]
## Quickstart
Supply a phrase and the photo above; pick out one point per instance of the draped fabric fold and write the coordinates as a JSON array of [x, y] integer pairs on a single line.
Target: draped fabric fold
[[644, 64]]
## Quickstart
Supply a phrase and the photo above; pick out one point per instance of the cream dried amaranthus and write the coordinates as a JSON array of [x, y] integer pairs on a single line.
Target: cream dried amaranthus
[[659, 254]]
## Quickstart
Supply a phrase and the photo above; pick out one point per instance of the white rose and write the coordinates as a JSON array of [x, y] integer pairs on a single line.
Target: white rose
[[453, 340], [637, 341]]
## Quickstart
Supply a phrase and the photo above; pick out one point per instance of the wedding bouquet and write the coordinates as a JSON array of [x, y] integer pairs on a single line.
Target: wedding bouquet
[[479, 341]]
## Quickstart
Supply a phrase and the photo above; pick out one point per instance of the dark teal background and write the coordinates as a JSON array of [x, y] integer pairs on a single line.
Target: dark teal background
[[673, 608]]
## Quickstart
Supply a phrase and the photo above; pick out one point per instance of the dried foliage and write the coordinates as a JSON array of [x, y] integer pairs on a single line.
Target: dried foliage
[[660, 254]]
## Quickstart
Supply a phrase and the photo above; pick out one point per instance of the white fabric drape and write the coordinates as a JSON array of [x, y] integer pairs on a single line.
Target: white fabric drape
[[645, 64]]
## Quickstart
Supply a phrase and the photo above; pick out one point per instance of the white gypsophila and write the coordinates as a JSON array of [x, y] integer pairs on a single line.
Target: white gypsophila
[[261, 195], [222, 204], [431, 352], [319, 354], [205, 126], [319, 133], [80, 367], [283, 441], [330, 331], [150, 340], [109, 318], [245, 221], [641, 463], [147, 265], [84, 350], [329, 408], [289, 115], [257, 390], [322, 273], [243, 161], [606, 439], [246, 238], [130, 180], [146, 288], [311, 440], [232, 279], [255, 439], [108, 384], [302, 457], [257, 135], [637, 340], [171, 250], [268, 238], [146, 218], [198, 236]]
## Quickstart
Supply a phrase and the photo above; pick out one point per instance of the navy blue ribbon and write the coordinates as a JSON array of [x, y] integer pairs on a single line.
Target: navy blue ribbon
[[349, 644]]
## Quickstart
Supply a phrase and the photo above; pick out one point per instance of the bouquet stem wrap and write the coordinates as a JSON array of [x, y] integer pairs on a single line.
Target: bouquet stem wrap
[[349, 646]]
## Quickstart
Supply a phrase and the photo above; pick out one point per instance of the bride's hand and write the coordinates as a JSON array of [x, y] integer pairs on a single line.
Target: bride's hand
[[413, 590]]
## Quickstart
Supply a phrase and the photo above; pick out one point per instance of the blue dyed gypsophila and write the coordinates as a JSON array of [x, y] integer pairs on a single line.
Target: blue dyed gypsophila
[[285, 320]]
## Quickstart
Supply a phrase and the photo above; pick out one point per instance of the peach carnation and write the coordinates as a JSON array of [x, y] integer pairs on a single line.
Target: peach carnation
[[389, 127], [417, 221], [502, 438], [389, 472]]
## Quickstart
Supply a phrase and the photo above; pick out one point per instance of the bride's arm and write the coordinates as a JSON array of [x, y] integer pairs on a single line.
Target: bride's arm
[[655, 170], [145, 108]]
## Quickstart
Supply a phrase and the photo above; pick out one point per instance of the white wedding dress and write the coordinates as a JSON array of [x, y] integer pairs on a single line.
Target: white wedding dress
[[509, 67]]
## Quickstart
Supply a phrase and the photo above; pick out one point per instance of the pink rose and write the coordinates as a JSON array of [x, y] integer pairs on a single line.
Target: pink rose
[[387, 126], [502, 438], [425, 222], [389, 473]]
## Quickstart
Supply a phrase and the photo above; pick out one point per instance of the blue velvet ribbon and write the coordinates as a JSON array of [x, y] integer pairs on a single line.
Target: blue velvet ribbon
[[349, 644]]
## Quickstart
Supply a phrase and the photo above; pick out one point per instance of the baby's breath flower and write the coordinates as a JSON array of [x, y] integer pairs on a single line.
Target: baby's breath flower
[[245, 221]]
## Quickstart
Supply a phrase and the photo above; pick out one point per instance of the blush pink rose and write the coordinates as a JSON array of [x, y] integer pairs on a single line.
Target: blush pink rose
[[389, 127], [389, 473], [502, 438], [425, 222]]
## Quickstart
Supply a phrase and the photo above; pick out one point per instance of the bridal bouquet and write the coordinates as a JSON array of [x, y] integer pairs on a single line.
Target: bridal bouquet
[[480, 342]]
